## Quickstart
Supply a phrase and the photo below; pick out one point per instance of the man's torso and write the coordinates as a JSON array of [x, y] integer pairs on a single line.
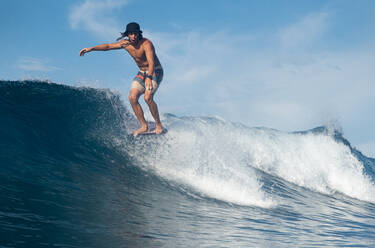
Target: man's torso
[[139, 55]]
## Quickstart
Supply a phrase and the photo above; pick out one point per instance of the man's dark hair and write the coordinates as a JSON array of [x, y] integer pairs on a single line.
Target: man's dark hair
[[123, 35]]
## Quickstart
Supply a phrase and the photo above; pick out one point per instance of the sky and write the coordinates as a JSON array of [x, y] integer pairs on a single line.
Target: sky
[[289, 65]]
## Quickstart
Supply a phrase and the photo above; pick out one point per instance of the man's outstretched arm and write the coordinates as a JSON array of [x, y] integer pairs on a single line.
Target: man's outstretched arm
[[105, 47]]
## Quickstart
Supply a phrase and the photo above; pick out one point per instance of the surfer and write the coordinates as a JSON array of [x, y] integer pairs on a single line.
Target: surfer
[[147, 79]]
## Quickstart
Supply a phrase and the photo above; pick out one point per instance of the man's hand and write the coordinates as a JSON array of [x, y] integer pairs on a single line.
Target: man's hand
[[148, 84], [126, 43], [83, 51]]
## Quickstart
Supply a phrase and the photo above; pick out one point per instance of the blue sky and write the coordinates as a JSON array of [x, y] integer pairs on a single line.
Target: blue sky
[[288, 65]]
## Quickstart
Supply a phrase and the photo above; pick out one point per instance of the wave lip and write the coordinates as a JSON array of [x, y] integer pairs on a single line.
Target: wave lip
[[319, 161]]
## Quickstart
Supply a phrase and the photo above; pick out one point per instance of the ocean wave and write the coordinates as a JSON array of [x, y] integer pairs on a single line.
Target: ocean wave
[[210, 157]]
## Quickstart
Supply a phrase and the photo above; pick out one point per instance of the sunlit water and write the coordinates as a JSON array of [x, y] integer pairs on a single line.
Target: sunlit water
[[71, 176]]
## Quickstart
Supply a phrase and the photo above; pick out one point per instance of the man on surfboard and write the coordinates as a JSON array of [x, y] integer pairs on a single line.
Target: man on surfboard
[[147, 79]]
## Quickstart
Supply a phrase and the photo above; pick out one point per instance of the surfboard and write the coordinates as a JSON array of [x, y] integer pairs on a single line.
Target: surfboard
[[152, 132]]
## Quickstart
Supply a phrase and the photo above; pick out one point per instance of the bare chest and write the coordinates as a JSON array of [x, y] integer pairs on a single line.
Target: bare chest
[[136, 53]]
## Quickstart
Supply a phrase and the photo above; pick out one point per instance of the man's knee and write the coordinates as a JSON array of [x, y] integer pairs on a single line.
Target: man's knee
[[149, 98], [133, 98]]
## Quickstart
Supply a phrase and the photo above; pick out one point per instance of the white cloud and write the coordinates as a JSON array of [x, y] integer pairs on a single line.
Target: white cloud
[[96, 17], [35, 64], [304, 32]]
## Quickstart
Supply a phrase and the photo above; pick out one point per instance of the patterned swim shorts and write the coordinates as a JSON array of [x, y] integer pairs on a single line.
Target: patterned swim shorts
[[139, 80]]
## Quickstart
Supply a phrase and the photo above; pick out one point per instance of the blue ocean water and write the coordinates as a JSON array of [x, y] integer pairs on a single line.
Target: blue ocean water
[[72, 176]]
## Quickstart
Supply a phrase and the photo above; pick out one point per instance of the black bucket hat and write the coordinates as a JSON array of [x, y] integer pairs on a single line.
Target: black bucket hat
[[131, 27]]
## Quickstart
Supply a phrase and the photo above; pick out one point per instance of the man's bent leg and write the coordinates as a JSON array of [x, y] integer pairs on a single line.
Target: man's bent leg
[[149, 98], [133, 99]]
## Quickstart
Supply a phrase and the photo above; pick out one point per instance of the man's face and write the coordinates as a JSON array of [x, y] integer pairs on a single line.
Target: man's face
[[133, 37]]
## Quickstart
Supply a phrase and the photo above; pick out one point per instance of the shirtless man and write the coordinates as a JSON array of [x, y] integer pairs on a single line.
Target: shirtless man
[[148, 78]]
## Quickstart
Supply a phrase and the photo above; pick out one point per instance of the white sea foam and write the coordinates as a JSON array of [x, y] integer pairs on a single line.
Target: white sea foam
[[314, 161], [195, 155], [217, 159]]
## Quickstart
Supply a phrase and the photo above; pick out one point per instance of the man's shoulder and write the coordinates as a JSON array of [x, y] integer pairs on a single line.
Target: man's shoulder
[[146, 42]]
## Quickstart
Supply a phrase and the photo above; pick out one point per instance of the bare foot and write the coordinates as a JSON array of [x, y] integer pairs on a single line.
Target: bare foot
[[141, 130], [158, 129]]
